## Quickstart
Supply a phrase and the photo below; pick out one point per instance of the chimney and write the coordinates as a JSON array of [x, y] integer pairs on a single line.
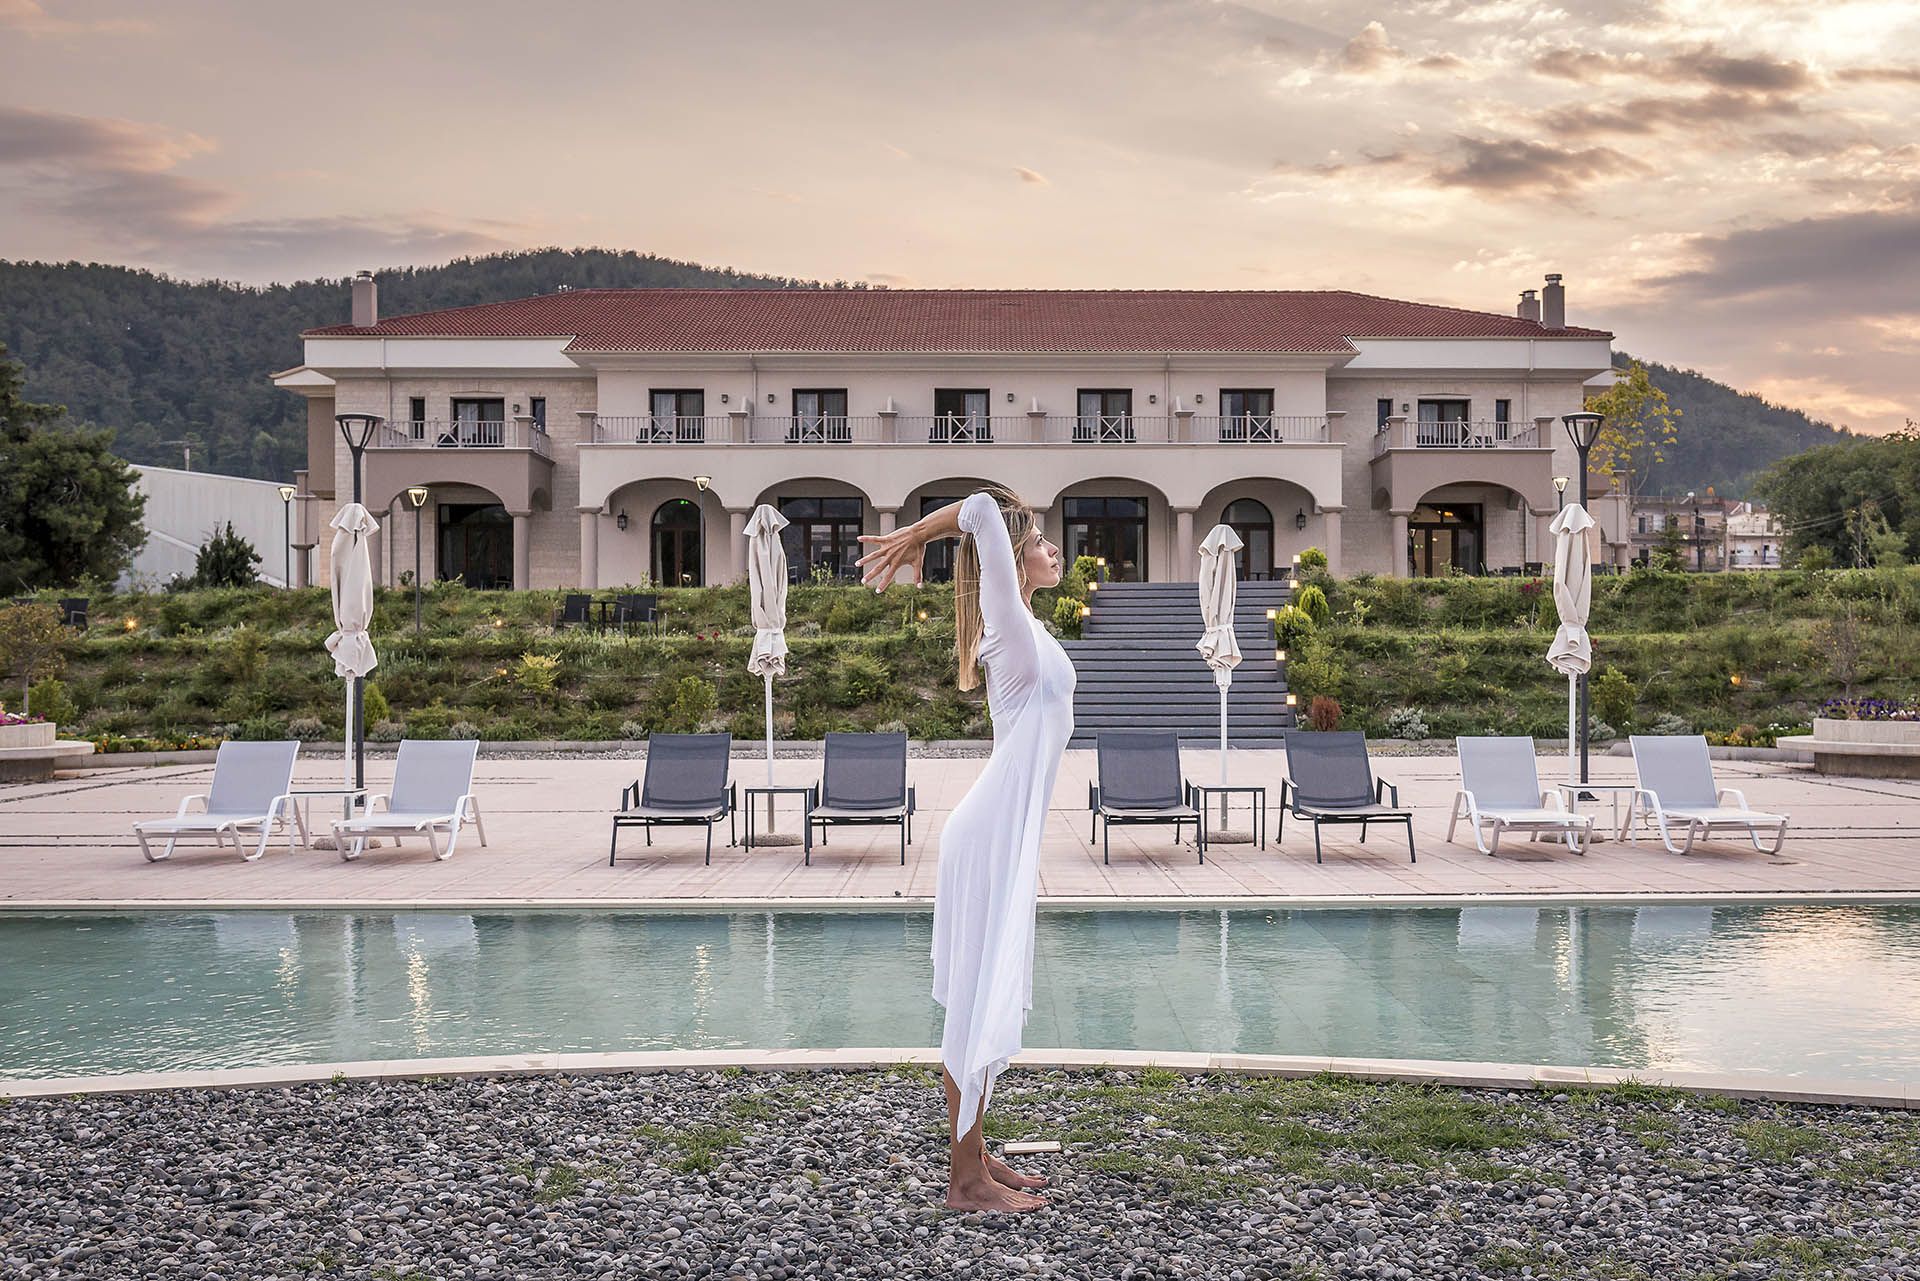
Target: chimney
[[1529, 308], [1553, 303], [366, 300]]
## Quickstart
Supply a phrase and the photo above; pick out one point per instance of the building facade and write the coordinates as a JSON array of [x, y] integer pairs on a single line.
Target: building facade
[[1698, 524], [1755, 539], [595, 438]]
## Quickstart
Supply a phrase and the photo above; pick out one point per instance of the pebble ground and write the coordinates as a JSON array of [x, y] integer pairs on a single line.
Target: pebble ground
[[842, 1174]]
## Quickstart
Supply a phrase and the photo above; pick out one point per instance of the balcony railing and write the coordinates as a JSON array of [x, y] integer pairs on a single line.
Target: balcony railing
[[461, 433], [962, 429], [1477, 434]]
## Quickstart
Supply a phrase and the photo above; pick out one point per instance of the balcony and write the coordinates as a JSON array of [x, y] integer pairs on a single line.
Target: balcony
[[1402, 433], [960, 430], [1412, 459], [512, 459]]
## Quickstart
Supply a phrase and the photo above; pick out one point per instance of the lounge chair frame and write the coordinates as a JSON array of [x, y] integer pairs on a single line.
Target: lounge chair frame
[[1170, 812], [639, 808], [825, 810], [1382, 807], [350, 835], [1700, 822], [1550, 817], [188, 822]]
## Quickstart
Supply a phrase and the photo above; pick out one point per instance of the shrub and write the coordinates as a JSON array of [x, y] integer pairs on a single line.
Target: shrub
[[1066, 617], [890, 727], [1598, 731], [242, 655], [842, 619], [633, 731], [536, 673], [263, 729], [1814, 559], [1291, 628], [1612, 695], [1313, 558], [307, 729], [1312, 601], [862, 678], [430, 721], [463, 730], [226, 560], [684, 704], [1313, 669], [373, 704], [387, 732], [1323, 713], [1405, 722], [52, 701], [1668, 723]]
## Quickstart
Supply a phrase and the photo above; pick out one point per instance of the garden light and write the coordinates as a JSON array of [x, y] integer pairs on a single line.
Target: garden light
[[1292, 583], [1272, 614], [1086, 611], [1734, 680], [1279, 655], [922, 616], [1293, 700], [132, 624]]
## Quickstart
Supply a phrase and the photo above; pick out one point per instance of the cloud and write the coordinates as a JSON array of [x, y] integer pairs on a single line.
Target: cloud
[[889, 280], [1029, 175], [1880, 75], [1520, 164], [1640, 116], [118, 180], [31, 18], [1703, 64], [1852, 264], [1371, 54]]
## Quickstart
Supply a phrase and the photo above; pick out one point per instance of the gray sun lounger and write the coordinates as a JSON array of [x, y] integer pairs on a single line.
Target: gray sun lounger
[[252, 787], [1139, 782], [432, 793], [863, 780], [685, 785], [1330, 780], [1500, 792], [1675, 787]]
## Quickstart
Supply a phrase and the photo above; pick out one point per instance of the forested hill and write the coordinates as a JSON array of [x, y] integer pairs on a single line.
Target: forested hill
[[160, 360], [1724, 438]]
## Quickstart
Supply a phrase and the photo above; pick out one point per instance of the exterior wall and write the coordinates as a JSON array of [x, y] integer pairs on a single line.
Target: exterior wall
[[185, 508]]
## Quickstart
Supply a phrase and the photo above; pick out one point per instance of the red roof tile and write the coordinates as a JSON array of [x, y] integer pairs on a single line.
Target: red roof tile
[[955, 320]]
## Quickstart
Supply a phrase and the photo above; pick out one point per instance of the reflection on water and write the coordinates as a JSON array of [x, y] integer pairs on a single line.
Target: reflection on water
[[1821, 990]]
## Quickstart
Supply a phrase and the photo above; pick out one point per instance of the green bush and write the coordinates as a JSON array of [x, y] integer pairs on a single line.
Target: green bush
[[266, 729], [1612, 695], [51, 698], [373, 704], [226, 560], [1313, 558], [860, 679], [683, 705], [1312, 602], [1291, 628], [840, 620], [1313, 669], [1066, 617], [538, 674]]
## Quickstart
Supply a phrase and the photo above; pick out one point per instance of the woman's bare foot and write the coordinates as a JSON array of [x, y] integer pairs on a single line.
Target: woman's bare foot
[[978, 1191], [1004, 1173]]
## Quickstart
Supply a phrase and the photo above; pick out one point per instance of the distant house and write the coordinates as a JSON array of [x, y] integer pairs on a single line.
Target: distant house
[[607, 436], [1754, 537]]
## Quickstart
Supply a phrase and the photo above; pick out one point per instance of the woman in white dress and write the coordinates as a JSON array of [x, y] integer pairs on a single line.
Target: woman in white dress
[[983, 908]]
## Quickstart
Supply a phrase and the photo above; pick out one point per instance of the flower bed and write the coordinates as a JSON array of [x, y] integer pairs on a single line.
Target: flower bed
[[25, 731]]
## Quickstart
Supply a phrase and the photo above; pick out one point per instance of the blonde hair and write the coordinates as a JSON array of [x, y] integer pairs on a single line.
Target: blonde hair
[[968, 625]]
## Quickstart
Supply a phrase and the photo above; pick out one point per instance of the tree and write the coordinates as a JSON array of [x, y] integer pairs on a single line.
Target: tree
[[68, 508], [31, 641], [1859, 502], [226, 560], [1637, 426]]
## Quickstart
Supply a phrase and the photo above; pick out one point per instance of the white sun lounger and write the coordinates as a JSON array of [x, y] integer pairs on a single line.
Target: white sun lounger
[[252, 786], [432, 793], [1500, 792], [1676, 787]]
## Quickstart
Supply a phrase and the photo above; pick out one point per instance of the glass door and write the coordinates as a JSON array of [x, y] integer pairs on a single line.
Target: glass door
[[1249, 518], [1105, 416], [1444, 540], [1246, 414], [1115, 528], [1442, 423], [961, 416], [475, 545], [819, 416], [477, 423], [678, 416], [676, 544]]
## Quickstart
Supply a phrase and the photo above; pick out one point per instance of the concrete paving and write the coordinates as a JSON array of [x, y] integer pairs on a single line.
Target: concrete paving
[[68, 842]]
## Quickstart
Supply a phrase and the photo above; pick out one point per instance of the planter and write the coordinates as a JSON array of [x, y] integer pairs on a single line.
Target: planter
[[1833, 731], [1863, 749], [31, 734]]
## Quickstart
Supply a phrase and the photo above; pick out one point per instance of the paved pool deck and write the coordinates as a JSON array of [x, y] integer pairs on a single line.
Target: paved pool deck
[[68, 843]]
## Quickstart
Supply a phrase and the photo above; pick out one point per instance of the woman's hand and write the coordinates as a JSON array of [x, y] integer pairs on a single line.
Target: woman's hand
[[890, 553]]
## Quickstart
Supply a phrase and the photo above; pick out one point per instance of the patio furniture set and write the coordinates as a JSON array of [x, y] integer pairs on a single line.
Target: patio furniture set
[[624, 611]]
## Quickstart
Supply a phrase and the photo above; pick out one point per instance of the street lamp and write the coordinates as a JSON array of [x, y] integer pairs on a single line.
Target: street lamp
[[1697, 536], [357, 430], [1560, 488], [1583, 428], [286, 524], [417, 498]]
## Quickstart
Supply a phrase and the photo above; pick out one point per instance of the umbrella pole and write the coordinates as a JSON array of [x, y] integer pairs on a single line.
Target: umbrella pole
[[1573, 735], [769, 723], [346, 743]]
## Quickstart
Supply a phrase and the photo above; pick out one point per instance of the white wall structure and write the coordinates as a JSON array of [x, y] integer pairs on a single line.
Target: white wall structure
[[185, 508]]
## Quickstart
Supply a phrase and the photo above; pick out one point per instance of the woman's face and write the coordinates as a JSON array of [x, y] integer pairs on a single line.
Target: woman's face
[[1040, 561]]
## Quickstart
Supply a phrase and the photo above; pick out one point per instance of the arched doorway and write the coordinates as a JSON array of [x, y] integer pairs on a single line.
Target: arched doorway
[[676, 544], [1444, 538], [1253, 522], [475, 545]]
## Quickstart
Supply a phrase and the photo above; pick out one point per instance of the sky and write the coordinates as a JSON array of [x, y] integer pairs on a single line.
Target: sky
[[1731, 186]]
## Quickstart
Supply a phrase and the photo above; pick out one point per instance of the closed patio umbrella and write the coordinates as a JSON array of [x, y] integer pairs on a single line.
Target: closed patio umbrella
[[351, 647], [767, 591], [1217, 644], [1574, 542]]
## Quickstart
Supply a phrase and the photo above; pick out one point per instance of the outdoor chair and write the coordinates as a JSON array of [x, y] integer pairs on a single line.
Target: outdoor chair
[[1675, 786], [574, 610], [685, 785], [1535, 568], [73, 612], [1330, 780], [252, 787], [1139, 782], [863, 781], [432, 793], [630, 609], [1500, 792]]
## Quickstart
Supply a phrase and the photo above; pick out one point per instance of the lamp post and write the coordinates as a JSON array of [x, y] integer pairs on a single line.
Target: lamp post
[[357, 430], [1698, 537], [1583, 428], [1560, 489], [286, 527], [417, 498]]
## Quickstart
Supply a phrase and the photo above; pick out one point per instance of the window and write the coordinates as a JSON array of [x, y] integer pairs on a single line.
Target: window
[[1253, 521], [1115, 528], [819, 416], [478, 422], [961, 415], [1441, 422], [676, 544], [1502, 411], [1106, 415], [417, 417], [937, 565], [1382, 410], [1246, 413], [677, 415], [537, 406], [822, 535]]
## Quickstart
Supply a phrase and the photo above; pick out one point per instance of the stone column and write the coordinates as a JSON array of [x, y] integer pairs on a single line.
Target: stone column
[[887, 517], [1541, 548], [1330, 518], [737, 518], [522, 550], [1397, 550], [1040, 523], [1184, 566], [589, 548]]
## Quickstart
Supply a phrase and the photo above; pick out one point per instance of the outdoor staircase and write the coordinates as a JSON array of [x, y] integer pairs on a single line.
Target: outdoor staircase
[[1137, 668]]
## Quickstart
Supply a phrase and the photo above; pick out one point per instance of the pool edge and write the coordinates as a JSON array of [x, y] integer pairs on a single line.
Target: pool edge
[[1510, 1076]]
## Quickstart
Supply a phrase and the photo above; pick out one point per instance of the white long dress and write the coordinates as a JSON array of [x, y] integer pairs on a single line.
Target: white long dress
[[983, 908]]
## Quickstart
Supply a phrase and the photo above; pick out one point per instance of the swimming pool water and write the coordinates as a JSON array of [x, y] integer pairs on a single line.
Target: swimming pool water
[[1829, 991]]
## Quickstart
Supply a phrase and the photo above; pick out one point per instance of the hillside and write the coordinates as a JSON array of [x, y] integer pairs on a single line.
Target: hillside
[[162, 360], [1725, 438]]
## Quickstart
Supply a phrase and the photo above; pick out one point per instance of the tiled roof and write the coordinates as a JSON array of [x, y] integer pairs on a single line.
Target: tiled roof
[[956, 320]]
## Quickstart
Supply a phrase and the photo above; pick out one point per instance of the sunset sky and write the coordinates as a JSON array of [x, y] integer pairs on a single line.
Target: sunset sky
[[1732, 186]]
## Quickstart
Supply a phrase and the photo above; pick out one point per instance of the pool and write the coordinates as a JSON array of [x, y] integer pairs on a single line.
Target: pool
[[1827, 991]]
